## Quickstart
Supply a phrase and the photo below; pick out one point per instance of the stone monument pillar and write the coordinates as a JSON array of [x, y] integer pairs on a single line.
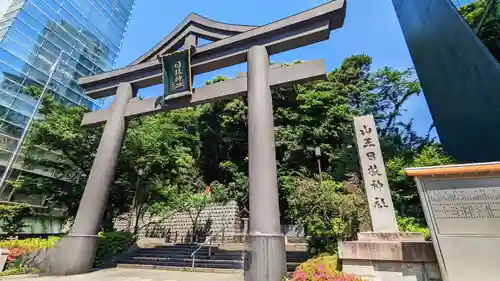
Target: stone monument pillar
[[384, 254]]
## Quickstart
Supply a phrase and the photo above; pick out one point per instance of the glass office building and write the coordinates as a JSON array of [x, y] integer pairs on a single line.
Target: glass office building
[[33, 33]]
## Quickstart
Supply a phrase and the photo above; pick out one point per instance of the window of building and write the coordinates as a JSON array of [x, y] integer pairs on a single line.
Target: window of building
[[25, 195], [17, 118], [17, 50], [10, 129], [6, 98], [23, 107]]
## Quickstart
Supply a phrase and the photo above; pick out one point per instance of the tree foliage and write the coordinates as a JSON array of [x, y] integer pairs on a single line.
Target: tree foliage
[[487, 26], [168, 159], [320, 114], [328, 210], [406, 200], [157, 146]]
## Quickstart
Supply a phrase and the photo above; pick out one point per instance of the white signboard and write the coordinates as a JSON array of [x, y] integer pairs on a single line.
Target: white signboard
[[463, 214]]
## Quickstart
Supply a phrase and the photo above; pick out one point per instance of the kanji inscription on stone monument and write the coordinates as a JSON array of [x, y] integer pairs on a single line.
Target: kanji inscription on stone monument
[[374, 176]]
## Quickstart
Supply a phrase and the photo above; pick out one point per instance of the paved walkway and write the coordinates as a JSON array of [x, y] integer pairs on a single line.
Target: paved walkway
[[125, 274]]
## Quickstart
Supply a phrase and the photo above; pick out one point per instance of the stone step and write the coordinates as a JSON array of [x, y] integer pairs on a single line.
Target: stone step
[[180, 268], [292, 247], [214, 255], [206, 257], [178, 245], [188, 255], [296, 259], [170, 255], [291, 266], [241, 246], [214, 250], [201, 264], [187, 266], [177, 259], [190, 246], [179, 256], [173, 250]]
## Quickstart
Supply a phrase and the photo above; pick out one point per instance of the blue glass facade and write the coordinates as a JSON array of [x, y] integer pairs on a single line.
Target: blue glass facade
[[33, 33]]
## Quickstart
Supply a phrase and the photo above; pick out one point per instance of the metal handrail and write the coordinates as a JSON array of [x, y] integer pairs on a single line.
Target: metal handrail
[[207, 240]]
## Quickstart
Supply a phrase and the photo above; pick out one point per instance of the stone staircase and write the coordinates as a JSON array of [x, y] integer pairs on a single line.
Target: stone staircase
[[226, 258]]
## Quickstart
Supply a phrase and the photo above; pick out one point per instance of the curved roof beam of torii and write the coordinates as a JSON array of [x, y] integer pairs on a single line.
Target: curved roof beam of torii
[[308, 27], [193, 24]]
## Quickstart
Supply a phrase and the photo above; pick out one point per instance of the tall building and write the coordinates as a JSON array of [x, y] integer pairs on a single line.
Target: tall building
[[460, 76], [33, 33]]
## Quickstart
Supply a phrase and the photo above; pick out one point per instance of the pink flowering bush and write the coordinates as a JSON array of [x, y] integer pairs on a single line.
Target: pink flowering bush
[[323, 268]]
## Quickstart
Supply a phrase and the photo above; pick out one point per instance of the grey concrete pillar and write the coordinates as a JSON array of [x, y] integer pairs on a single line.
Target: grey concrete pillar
[[266, 256], [75, 253]]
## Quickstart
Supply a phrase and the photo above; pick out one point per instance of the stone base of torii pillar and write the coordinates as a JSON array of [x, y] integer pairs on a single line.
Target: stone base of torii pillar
[[399, 256]]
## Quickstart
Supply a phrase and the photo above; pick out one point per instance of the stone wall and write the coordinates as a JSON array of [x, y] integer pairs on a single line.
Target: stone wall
[[220, 220]]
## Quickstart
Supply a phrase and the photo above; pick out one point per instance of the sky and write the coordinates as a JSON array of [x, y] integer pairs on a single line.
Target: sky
[[371, 27]]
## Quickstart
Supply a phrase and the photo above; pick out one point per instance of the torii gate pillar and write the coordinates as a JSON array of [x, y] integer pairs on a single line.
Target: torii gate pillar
[[76, 252], [266, 256]]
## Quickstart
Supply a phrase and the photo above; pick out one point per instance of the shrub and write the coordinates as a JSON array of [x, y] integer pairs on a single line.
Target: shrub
[[329, 263], [329, 212], [325, 234], [18, 248], [30, 244], [322, 268], [18, 271], [14, 254], [410, 224], [111, 244], [14, 264]]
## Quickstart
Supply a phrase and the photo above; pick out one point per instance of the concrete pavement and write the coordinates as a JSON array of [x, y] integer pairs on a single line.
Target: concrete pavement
[[125, 274]]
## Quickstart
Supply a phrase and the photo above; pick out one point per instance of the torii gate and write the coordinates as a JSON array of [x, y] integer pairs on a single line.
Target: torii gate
[[233, 44]]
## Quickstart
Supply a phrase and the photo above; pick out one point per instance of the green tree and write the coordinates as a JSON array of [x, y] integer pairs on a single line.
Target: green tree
[[404, 190], [153, 145], [329, 212], [60, 131], [157, 152], [193, 204], [175, 155], [486, 26], [320, 114], [317, 114]]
